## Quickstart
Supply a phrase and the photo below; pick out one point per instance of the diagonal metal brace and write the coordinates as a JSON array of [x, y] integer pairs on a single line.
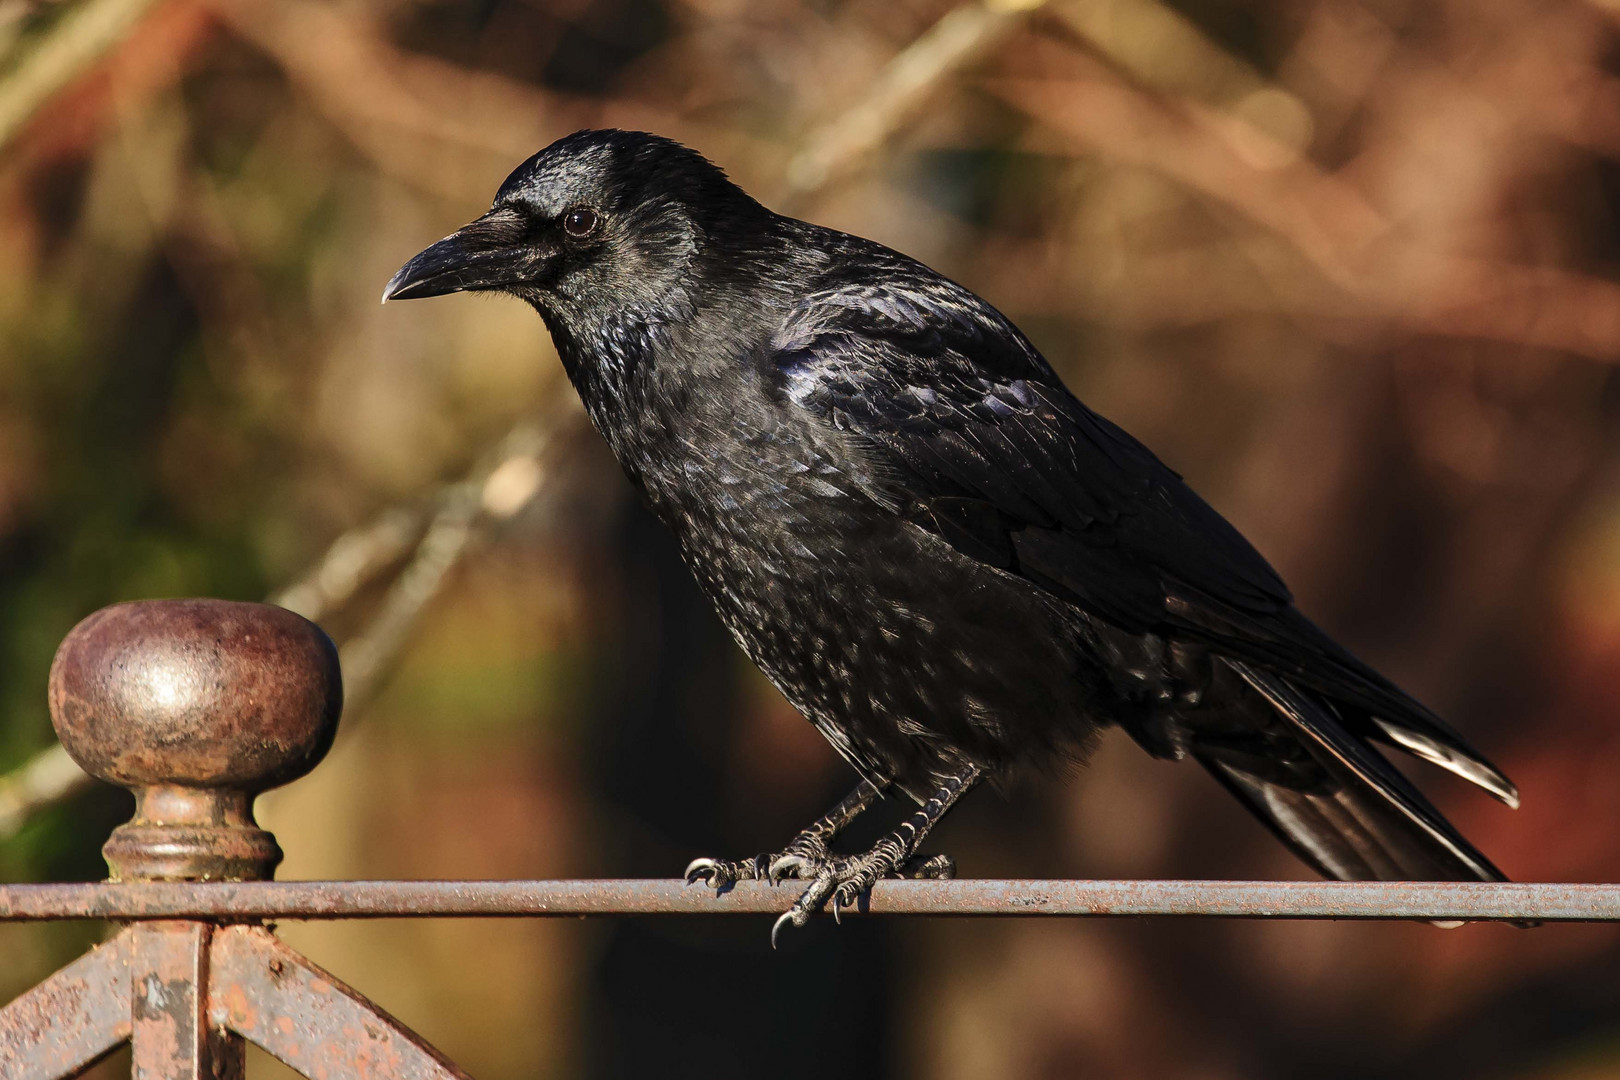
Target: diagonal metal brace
[[71, 1020], [281, 1002], [185, 994]]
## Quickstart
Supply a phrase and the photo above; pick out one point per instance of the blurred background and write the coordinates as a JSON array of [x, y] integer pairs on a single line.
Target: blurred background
[[1352, 266]]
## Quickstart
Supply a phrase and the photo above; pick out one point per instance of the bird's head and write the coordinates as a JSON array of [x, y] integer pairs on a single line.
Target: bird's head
[[597, 223]]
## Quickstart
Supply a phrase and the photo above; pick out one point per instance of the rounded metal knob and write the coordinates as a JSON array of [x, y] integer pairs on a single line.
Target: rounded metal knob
[[195, 705]]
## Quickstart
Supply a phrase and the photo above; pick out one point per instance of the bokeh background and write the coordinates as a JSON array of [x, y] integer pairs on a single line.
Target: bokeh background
[[1352, 266]]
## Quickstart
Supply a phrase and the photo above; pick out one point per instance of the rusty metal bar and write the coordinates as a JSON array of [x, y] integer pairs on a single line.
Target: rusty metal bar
[[72, 1019], [310, 1021], [255, 900], [170, 1037]]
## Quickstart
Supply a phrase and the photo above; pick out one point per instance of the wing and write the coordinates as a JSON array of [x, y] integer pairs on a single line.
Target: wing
[[968, 432], [971, 435], [962, 428]]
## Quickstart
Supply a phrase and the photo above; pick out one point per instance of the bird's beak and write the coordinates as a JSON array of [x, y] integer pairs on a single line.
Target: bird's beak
[[486, 254]]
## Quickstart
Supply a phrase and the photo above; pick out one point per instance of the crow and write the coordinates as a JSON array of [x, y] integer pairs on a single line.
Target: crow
[[953, 568]]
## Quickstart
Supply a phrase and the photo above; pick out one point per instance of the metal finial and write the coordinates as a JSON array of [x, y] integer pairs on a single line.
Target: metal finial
[[196, 706]]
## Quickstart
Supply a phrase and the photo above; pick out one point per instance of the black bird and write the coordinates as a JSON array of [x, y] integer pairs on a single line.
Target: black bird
[[949, 564]]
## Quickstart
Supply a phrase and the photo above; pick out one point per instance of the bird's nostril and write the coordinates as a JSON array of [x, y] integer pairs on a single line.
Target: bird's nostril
[[501, 227]]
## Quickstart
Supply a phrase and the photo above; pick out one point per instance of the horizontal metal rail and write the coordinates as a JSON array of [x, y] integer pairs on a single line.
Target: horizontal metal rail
[[256, 900]]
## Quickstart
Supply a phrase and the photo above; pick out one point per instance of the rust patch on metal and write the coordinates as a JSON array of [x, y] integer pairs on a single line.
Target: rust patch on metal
[[310, 1020], [196, 706], [168, 985], [70, 1020], [204, 693]]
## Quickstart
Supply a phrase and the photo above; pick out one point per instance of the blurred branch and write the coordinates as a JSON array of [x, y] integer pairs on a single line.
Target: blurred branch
[[1586, 112], [44, 780], [388, 103], [501, 486], [1606, 7], [1328, 221], [1151, 41], [433, 125], [66, 51], [843, 143], [1162, 47], [355, 560], [13, 13]]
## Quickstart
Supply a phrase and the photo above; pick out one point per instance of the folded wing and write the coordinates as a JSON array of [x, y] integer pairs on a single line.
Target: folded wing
[[966, 432]]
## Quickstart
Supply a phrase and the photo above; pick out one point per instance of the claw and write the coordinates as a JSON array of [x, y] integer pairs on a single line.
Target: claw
[[790, 916], [835, 879], [700, 868], [809, 901], [720, 874], [788, 866]]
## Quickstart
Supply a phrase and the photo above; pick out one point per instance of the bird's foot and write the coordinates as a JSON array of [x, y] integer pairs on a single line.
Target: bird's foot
[[845, 879], [720, 874], [802, 859]]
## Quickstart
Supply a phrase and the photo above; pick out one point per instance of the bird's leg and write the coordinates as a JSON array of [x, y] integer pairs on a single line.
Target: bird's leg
[[804, 857], [845, 879]]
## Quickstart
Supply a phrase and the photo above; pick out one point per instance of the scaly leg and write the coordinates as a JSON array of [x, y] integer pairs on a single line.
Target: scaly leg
[[844, 879], [802, 857]]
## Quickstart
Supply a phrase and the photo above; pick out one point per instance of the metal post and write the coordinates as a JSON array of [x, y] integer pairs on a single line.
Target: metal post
[[197, 706], [170, 1034]]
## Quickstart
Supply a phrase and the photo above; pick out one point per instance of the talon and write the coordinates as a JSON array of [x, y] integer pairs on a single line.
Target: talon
[[791, 916], [700, 868], [787, 866]]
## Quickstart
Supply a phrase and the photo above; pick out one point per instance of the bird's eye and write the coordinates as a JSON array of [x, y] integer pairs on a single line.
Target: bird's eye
[[580, 222]]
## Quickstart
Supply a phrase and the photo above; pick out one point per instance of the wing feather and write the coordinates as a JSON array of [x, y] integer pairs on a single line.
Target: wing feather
[[968, 433]]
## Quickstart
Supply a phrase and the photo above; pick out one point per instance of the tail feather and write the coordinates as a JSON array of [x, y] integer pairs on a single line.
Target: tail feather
[[1385, 713], [1344, 809], [1449, 755]]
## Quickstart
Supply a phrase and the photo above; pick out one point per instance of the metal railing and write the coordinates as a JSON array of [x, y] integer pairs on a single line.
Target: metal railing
[[198, 705]]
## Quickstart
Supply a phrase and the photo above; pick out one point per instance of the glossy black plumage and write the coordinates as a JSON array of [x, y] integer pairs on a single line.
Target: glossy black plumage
[[941, 557]]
